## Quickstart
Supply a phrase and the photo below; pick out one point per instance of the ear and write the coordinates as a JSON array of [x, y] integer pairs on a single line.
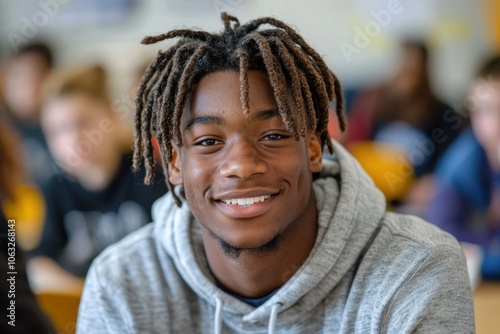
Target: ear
[[314, 152], [175, 167]]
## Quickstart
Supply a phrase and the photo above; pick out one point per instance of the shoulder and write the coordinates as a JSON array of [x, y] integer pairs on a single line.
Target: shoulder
[[138, 259], [126, 288], [128, 255], [419, 232], [425, 275], [421, 255], [408, 248]]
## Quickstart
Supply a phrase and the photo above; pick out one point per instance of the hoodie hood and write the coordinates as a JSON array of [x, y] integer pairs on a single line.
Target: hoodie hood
[[350, 209]]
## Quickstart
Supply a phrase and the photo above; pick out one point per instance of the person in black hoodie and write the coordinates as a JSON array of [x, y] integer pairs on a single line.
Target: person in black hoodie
[[96, 199]]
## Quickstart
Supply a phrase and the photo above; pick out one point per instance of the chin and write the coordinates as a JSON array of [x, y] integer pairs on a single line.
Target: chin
[[260, 244]]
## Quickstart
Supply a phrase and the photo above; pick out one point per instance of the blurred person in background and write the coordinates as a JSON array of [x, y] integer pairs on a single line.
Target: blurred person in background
[[406, 112], [96, 199], [23, 77], [467, 199], [27, 318]]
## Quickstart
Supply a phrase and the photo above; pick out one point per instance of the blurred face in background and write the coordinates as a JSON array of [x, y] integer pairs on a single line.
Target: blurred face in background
[[410, 75], [81, 132], [485, 114], [23, 79]]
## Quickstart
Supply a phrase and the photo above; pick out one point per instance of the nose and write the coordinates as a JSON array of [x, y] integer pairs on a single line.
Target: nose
[[243, 160]]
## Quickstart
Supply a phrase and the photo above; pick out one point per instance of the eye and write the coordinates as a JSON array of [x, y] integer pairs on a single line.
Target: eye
[[208, 142], [275, 136]]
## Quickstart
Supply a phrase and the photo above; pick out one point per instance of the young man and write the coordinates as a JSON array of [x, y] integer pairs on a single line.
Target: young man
[[96, 199], [260, 234]]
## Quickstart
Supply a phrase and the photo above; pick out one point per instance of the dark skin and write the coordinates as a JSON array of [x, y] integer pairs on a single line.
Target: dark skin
[[248, 183]]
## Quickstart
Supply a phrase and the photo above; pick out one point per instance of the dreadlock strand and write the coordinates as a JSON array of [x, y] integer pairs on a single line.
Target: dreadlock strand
[[306, 93], [147, 154], [145, 130], [276, 79], [226, 19], [139, 102], [314, 76], [320, 74], [296, 38], [339, 103], [289, 65], [143, 92], [321, 100], [184, 89], [244, 86], [186, 33], [165, 107], [159, 93], [147, 118]]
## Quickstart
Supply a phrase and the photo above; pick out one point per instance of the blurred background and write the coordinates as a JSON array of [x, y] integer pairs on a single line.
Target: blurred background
[[421, 84], [359, 39]]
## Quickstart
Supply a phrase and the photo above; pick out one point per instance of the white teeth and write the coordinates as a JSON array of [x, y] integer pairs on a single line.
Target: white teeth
[[246, 201]]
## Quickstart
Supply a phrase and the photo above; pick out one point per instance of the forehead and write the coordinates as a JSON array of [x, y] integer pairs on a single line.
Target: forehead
[[221, 92], [72, 106]]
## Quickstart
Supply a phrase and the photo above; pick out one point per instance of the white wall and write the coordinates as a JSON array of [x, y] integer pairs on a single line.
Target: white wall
[[453, 27]]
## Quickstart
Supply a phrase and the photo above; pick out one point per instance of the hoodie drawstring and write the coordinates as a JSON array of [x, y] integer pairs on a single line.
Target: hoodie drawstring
[[218, 318], [273, 317]]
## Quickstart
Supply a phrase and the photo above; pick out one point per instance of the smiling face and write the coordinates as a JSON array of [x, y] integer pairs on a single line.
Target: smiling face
[[245, 177]]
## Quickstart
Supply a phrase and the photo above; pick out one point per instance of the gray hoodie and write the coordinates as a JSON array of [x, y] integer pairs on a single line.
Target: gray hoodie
[[368, 272]]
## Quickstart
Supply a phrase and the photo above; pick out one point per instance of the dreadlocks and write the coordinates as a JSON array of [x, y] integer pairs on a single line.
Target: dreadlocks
[[288, 60]]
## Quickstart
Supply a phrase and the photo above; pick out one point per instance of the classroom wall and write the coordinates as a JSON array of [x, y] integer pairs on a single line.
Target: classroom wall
[[358, 38]]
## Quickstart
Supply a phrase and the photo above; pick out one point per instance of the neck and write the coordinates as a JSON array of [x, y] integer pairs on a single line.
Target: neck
[[254, 274]]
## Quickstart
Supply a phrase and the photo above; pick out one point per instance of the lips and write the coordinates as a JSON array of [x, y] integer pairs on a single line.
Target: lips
[[246, 204], [247, 200]]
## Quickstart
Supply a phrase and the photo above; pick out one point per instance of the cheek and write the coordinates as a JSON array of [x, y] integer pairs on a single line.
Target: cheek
[[296, 170], [196, 177], [59, 147], [487, 129]]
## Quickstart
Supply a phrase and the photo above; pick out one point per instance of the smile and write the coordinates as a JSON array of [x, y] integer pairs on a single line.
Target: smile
[[246, 201]]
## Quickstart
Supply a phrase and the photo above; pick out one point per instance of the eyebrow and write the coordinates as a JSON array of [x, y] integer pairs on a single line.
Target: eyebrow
[[266, 114], [204, 120], [216, 120]]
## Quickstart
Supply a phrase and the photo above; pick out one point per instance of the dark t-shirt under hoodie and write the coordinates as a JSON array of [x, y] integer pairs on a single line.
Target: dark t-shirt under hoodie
[[80, 223]]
